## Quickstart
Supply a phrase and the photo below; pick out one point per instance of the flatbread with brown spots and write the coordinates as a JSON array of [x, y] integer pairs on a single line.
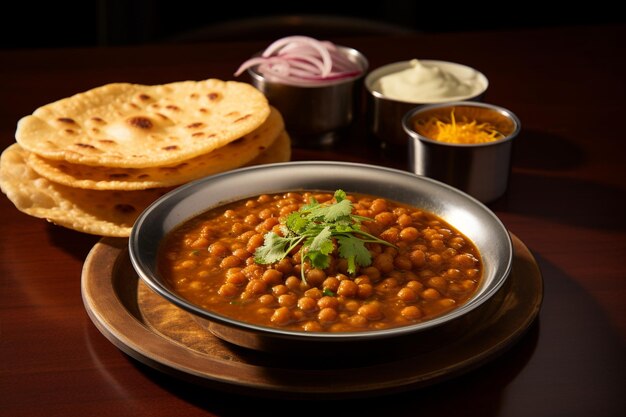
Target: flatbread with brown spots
[[105, 213], [138, 126], [280, 151], [233, 155], [97, 212]]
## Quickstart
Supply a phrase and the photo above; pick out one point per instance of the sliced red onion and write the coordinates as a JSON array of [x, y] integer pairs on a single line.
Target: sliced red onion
[[302, 60]]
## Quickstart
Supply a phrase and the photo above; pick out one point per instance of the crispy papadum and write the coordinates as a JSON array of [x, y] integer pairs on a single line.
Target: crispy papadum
[[234, 155], [138, 126], [104, 213]]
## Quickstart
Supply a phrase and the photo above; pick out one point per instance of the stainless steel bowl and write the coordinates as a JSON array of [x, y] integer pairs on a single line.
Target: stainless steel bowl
[[468, 215], [315, 114], [481, 170], [385, 114]]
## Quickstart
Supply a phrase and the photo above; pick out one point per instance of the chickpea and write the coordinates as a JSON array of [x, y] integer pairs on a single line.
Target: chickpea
[[365, 291], [438, 245], [256, 286], [453, 274], [241, 254], [264, 198], [347, 288], [230, 261], [449, 253], [254, 242], [312, 326], [362, 279], [293, 283], [405, 220], [387, 284], [272, 277], [457, 243], [228, 290], [287, 300], [253, 271], [385, 218], [236, 278], [472, 273], [372, 272], [409, 234], [418, 258], [435, 259], [430, 294], [279, 289], [218, 249], [357, 321], [403, 263], [315, 277], [379, 205], [281, 316], [230, 214], [267, 299], [464, 261], [200, 242], [238, 228], [307, 304], [188, 264], [251, 220], [327, 302], [314, 293], [446, 303], [331, 283], [269, 224], [371, 311], [327, 315], [438, 283], [383, 263], [391, 235], [407, 294], [352, 305], [284, 266], [411, 312], [414, 285]]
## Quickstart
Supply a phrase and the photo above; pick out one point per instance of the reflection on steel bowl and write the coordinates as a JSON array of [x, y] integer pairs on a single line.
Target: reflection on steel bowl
[[488, 242]]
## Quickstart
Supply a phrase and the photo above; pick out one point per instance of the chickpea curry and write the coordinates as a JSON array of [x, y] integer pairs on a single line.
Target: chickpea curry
[[321, 262]]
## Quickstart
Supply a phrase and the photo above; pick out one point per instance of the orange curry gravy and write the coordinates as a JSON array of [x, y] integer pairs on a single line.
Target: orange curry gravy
[[432, 269]]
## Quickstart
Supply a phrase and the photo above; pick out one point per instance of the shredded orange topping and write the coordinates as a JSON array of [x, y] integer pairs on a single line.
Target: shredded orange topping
[[466, 132]]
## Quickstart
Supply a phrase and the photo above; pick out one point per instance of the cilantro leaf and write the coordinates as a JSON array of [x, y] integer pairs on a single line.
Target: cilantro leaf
[[316, 226], [354, 251]]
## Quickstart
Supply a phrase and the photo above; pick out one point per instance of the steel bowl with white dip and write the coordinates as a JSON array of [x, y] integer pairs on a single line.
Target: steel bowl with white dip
[[396, 88]]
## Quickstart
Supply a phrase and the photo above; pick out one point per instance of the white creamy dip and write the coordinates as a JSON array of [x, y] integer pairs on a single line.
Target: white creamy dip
[[427, 83]]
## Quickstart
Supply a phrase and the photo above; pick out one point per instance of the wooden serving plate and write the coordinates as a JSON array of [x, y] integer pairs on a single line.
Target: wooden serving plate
[[155, 332]]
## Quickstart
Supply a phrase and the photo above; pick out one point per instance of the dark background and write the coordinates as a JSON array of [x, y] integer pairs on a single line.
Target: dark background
[[26, 24]]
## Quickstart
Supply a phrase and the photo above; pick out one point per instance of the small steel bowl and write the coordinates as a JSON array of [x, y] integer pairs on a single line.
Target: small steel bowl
[[468, 215], [385, 114], [481, 170], [315, 115]]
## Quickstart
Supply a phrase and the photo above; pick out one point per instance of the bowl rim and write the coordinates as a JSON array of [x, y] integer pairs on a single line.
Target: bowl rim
[[375, 74], [187, 190], [414, 135]]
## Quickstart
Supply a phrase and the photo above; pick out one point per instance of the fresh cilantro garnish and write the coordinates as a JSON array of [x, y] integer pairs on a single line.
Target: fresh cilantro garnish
[[320, 229]]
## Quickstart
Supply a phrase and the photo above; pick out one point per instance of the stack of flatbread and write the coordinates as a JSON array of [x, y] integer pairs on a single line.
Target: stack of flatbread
[[94, 161]]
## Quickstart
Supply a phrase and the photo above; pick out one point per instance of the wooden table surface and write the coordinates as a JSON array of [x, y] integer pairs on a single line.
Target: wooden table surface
[[566, 202]]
